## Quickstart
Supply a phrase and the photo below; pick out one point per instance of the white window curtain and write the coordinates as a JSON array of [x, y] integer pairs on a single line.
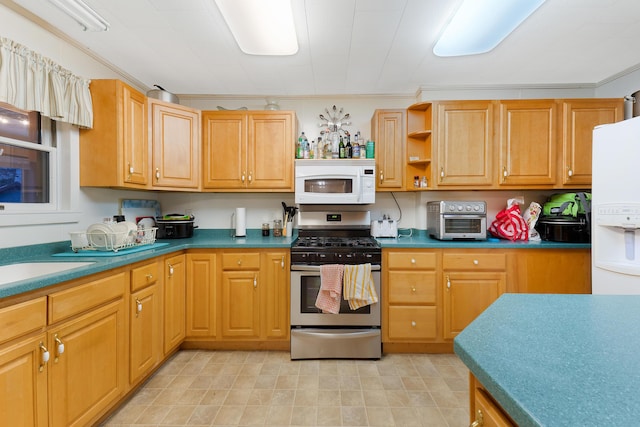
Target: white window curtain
[[32, 82]]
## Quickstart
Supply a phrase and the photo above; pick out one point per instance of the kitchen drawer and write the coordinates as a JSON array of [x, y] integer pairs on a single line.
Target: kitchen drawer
[[143, 276], [81, 298], [20, 319], [412, 323], [412, 287], [240, 261], [411, 260], [474, 262]]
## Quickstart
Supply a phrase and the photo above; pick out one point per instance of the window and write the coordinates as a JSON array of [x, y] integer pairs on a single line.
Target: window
[[27, 161]]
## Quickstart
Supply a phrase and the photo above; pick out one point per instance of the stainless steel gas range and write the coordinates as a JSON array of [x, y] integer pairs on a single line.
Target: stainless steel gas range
[[333, 238]]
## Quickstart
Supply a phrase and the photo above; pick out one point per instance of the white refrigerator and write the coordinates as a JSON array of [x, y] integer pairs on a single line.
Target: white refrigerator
[[615, 208]]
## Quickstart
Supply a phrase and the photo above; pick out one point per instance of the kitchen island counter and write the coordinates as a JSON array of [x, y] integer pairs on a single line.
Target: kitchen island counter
[[564, 360]]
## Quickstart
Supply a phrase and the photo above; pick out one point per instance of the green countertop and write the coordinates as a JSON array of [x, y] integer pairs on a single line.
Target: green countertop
[[558, 360], [209, 238]]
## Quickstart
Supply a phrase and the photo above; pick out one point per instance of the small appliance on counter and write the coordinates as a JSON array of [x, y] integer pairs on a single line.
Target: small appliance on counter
[[175, 226], [457, 220], [565, 228], [384, 227]]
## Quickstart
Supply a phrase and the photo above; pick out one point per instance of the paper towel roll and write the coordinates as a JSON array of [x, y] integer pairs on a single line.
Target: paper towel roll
[[241, 222]]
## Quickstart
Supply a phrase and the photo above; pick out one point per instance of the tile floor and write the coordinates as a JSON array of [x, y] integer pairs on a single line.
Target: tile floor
[[242, 388]]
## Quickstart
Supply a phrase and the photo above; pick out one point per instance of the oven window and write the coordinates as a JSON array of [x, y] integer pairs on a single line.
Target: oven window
[[329, 186], [309, 288], [462, 225]]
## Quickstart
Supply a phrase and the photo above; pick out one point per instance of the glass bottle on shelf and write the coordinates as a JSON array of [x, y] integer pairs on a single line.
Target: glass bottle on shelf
[[341, 148]]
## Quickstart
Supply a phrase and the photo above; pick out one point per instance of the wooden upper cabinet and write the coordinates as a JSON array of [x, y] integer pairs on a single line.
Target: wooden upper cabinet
[[115, 152], [175, 143], [465, 143], [387, 130], [527, 136], [579, 117], [248, 150], [270, 150]]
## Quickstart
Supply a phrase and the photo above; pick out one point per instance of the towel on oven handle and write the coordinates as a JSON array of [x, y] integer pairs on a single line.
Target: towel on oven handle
[[359, 289], [330, 293]]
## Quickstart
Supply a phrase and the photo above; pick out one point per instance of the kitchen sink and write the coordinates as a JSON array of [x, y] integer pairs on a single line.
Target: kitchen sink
[[31, 270]]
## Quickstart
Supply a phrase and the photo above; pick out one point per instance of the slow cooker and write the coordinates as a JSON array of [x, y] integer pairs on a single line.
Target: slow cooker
[[567, 229], [175, 226]]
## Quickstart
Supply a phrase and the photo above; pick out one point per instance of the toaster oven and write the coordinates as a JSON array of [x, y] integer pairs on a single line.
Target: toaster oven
[[457, 220]]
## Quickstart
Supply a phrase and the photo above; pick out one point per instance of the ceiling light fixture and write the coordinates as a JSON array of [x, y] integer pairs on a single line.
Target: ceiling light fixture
[[261, 27], [88, 18], [479, 26]]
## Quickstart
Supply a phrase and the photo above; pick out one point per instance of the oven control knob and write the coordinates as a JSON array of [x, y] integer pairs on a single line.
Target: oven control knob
[[452, 208], [468, 207], [460, 208], [476, 208]]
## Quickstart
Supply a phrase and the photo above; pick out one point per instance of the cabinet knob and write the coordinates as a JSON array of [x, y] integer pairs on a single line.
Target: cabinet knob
[[138, 307], [476, 262], [149, 277], [250, 177], [59, 347], [413, 260], [448, 282], [479, 422], [130, 169], [239, 262], [570, 173], [381, 177], [441, 173], [282, 262], [413, 289], [413, 323], [157, 174], [504, 173], [170, 270], [255, 281], [242, 177], [44, 357]]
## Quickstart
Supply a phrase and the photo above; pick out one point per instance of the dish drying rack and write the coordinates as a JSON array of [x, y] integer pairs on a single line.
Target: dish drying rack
[[111, 241]]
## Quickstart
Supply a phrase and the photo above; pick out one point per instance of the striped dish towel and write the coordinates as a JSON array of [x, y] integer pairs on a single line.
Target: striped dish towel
[[330, 293], [359, 289]]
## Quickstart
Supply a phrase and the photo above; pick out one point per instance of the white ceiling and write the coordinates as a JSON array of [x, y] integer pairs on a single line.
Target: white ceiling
[[355, 47]]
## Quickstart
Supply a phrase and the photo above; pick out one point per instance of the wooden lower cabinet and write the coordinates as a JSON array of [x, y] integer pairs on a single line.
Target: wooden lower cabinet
[[554, 271], [23, 383], [276, 296], [484, 411], [201, 295], [145, 320], [88, 357], [410, 313], [174, 301]]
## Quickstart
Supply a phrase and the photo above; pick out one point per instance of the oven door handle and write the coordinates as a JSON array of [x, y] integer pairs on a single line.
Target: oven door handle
[[336, 334], [374, 267]]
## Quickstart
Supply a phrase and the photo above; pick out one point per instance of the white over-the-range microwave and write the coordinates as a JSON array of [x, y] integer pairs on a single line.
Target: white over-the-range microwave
[[340, 181]]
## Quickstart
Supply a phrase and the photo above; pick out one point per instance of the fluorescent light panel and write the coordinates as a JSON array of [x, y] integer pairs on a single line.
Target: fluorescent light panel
[[88, 18], [261, 27], [479, 26]]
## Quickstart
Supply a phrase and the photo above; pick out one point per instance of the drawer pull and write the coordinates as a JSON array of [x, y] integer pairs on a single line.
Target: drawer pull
[[138, 307], [413, 289], [239, 262], [157, 174], [149, 277], [170, 270], [479, 422], [413, 260], [45, 356], [282, 263], [59, 347], [448, 282], [413, 323], [476, 262], [255, 281]]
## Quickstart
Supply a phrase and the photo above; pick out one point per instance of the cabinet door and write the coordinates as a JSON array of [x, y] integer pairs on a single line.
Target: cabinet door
[[174, 301], [487, 413], [240, 305], [554, 271], [145, 338], [387, 130], [466, 295], [23, 383], [465, 143], [270, 148], [201, 295], [579, 117], [87, 369], [176, 146], [528, 143], [275, 275], [224, 148], [135, 142]]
